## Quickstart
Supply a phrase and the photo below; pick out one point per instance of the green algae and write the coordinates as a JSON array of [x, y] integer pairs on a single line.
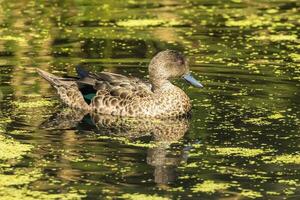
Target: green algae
[[136, 196], [252, 20], [16, 185], [19, 177], [295, 182], [19, 132], [12, 149], [5, 120], [251, 194], [27, 194], [284, 159], [129, 142], [147, 22], [140, 144], [237, 151], [277, 38], [259, 121], [295, 57], [236, 1], [34, 104], [210, 186], [276, 116], [13, 38], [273, 193]]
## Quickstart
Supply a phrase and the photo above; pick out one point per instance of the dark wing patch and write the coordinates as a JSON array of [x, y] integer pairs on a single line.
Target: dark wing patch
[[113, 84], [87, 90]]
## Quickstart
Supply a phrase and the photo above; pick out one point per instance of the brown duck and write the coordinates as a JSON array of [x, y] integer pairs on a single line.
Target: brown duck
[[115, 94]]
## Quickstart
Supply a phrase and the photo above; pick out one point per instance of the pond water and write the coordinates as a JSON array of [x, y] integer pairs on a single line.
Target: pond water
[[241, 142]]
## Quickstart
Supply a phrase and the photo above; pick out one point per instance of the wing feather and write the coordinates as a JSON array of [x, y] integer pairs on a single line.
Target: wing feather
[[116, 84]]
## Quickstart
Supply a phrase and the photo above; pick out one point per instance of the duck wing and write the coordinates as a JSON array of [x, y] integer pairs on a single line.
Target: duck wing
[[111, 84]]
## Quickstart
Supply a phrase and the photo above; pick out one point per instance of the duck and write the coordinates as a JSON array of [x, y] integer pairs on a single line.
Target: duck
[[119, 95]]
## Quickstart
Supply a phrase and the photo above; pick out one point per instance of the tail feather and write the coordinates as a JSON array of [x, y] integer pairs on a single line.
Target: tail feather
[[67, 90], [52, 79]]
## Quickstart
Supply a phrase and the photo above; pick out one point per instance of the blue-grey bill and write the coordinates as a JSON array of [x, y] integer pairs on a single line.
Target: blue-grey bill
[[189, 78]]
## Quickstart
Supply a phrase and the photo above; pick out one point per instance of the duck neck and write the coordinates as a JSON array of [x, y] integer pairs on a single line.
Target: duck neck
[[159, 84], [157, 76]]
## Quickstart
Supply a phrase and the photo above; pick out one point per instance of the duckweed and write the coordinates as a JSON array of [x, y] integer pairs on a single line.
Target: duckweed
[[13, 38], [276, 38], [251, 194], [290, 182], [136, 196], [276, 116], [295, 57], [259, 121], [12, 149], [19, 178], [148, 22], [237, 151], [34, 104], [273, 193], [19, 132], [252, 20], [210, 186], [284, 159], [129, 142], [26, 194]]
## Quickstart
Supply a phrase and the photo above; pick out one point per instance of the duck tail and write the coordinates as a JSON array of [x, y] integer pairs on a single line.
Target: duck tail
[[52, 79], [67, 90]]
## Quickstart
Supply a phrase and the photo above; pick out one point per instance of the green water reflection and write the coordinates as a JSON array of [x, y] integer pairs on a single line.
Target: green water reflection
[[241, 142]]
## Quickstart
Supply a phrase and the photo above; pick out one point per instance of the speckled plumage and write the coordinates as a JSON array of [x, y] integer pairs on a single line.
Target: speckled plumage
[[118, 95]]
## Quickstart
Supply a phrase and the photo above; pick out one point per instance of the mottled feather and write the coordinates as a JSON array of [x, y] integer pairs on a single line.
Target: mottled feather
[[115, 94], [117, 85]]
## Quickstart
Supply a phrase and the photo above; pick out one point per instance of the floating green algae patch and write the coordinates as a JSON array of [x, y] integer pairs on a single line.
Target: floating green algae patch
[[237, 151], [19, 132], [34, 104], [253, 20], [147, 22], [12, 149], [259, 121], [262, 121], [284, 159], [13, 38], [126, 141], [290, 182], [5, 120], [295, 57], [15, 182], [12, 193], [276, 116], [19, 177], [251, 194], [277, 38], [210, 186], [137, 196], [17, 186]]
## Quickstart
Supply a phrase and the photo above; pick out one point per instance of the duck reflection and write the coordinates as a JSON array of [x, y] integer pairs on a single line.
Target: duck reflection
[[163, 133]]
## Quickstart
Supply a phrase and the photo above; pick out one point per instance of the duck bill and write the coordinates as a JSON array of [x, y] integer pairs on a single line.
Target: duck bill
[[189, 78]]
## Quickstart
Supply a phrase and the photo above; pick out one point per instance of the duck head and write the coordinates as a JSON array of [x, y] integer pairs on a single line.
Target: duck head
[[170, 64]]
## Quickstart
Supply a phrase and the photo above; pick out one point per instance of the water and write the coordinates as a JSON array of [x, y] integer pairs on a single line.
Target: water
[[241, 142]]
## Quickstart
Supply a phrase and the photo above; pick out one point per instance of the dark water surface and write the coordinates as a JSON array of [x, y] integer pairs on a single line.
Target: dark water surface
[[241, 142]]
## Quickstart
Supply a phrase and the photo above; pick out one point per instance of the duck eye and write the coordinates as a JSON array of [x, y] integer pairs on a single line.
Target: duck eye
[[180, 62]]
